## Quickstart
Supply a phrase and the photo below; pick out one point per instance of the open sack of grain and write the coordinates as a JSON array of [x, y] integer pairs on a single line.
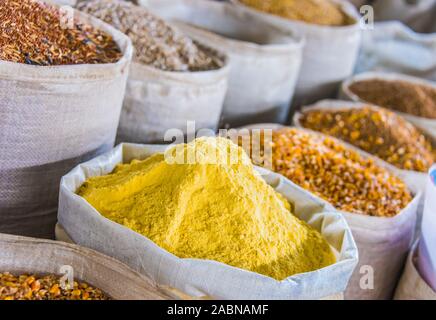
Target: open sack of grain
[[412, 98], [98, 276], [378, 207], [173, 79], [213, 225], [264, 60], [332, 35], [57, 108], [412, 286], [393, 47]]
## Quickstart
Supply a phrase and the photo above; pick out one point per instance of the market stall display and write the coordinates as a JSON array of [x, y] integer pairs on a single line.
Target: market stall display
[[173, 79], [377, 205], [264, 60], [78, 217], [53, 114], [252, 185]]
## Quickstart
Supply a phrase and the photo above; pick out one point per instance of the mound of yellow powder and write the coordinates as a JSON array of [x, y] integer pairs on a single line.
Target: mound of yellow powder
[[216, 208], [322, 12]]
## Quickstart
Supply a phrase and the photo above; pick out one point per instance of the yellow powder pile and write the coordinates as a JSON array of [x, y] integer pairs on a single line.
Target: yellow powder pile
[[217, 208], [322, 12]]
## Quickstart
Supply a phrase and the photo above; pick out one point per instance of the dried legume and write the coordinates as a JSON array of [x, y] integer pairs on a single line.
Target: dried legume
[[414, 99], [322, 12], [32, 287], [31, 32], [377, 131], [156, 43], [336, 173]]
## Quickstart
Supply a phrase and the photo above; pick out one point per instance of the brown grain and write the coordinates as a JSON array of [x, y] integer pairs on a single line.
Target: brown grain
[[31, 32]]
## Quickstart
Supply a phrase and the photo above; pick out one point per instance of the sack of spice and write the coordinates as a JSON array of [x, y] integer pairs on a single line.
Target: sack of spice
[[61, 93], [377, 131], [36, 269], [264, 60], [412, 98], [378, 206], [412, 285], [332, 35], [225, 233], [393, 47], [173, 79]]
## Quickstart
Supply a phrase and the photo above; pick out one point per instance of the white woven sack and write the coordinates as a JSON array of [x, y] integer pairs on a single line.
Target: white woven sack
[[264, 60], [329, 55], [40, 257], [425, 124], [52, 118], [157, 101], [393, 47], [196, 277], [383, 243], [418, 14], [412, 286]]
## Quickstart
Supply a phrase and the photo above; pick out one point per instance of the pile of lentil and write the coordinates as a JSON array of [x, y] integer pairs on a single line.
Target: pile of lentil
[[377, 131], [32, 287], [31, 32], [414, 99], [330, 170], [321, 12], [156, 43]]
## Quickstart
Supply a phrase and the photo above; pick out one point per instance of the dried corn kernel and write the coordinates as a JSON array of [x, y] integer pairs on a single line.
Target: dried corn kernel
[[336, 173], [376, 131]]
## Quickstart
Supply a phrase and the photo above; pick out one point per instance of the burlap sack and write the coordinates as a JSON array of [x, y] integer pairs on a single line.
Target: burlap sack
[[35, 256], [425, 124], [329, 55], [411, 285], [196, 277], [383, 243], [264, 60], [52, 118], [393, 47]]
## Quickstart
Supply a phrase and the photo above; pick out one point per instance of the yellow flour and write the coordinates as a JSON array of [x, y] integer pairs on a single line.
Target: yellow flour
[[322, 12], [222, 211]]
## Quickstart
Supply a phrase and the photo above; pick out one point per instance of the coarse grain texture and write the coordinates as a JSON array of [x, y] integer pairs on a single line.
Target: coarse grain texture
[[377, 131], [415, 99], [48, 287], [335, 173], [156, 43], [31, 32], [216, 207], [321, 12]]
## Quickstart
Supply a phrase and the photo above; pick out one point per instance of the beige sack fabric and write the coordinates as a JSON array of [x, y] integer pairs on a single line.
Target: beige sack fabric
[[197, 277], [411, 285], [329, 55], [36, 256], [52, 118], [157, 101], [383, 243], [264, 60]]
